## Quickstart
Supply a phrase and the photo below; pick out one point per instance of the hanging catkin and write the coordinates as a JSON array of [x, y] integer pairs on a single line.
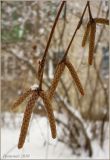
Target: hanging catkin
[[74, 76], [92, 42], [86, 34], [48, 107], [59, 70], [26, 119], [102, 21], [21, 99]]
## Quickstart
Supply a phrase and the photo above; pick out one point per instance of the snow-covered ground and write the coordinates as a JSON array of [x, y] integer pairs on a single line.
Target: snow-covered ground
[[39, 144]]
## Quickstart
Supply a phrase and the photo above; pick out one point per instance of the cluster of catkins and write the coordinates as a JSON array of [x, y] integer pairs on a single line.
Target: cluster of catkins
[[91, 29], [35, 94], [47, 96]]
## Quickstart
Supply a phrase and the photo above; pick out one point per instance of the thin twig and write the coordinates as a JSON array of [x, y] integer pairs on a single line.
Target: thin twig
[[77, 28], [48, 44], [90, 14]]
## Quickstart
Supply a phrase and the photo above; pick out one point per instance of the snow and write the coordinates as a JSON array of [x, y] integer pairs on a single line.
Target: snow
[[50, 71], [39, 144], [41, 30], [34, 86], [98, 152], [20, 55], [72, 109]]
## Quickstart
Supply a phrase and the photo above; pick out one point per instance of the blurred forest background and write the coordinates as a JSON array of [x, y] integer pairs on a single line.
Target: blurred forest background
[[25, 29]]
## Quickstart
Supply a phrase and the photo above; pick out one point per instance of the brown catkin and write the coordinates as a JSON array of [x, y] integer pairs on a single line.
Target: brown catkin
[[92, 42], [59, 70], [21, 99], [74, 76], [48, 107], [86, 34], [26, 119], [101, 20]]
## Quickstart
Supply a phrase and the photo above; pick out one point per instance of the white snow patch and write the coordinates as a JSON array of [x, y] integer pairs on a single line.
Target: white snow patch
[[39, 144], [34, 86], [50, 71], [41, 30]]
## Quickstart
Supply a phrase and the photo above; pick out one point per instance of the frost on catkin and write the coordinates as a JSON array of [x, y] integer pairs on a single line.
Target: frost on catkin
[[21, 99], [86, 34], [59, 70], [101, 21], [92, 42], [26, 119], [48, 107], [75, 76]]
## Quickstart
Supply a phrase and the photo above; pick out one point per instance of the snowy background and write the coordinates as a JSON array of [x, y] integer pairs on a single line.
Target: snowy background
[[40, 145]]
